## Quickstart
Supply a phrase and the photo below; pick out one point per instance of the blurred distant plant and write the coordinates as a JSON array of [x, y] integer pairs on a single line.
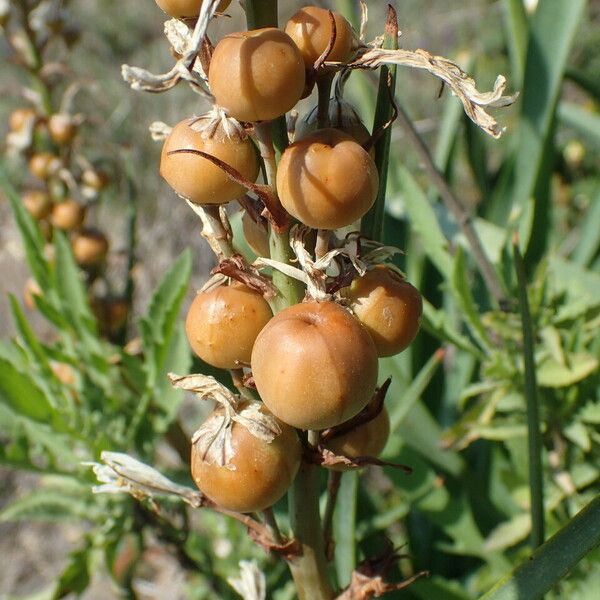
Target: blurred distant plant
[[499, 425], [47, 135]]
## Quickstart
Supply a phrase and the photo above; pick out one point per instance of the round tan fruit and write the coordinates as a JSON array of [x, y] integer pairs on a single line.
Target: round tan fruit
[[368, 439], [62, 128], [222, 324], [314, 365], [310, 28], [198, 179], [68, 215], [327, 180], [388, 306], [257, 75], [259, 474], [38, 204], [90, 247], [181, 9], [19, 117]]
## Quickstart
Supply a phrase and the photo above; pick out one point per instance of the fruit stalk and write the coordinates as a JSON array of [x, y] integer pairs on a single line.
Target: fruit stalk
[[309, 569]]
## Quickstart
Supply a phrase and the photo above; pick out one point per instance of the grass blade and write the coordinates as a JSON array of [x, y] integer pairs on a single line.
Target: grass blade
[[553, 560], [533, 417], [372, 223], [344, 527]]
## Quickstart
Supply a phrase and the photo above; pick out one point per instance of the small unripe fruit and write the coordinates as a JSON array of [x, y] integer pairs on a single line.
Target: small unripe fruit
[[62, 128], [259, 474], [314, 365], [367, 439], [257, 75], [43, 164], [222, 324], [195, 177], [310, 28], [68, 215], [38, 204], [19, 117], [388, 306], [327, 180], [186, 9], [90, 247]]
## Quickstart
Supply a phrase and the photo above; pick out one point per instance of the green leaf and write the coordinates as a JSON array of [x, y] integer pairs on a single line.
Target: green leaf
[[30, 234], [554, 375], [583, 121], [589, 237], [344, 527], [425, 223], [552, 31], [157, 326], [19, 391], [553, 560], [464, 297], [76, 576], [515, 22], [47, 505], [509, 533]]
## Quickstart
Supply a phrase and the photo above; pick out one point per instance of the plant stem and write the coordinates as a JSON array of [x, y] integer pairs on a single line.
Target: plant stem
[[279, 243], [553, 560], [309, 570], [536, 485], [324, 82], [333, 487], [372, 222], [455, 206], [272, 526]]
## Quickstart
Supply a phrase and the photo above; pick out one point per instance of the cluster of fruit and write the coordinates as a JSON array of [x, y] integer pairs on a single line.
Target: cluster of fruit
[[314, 364], [62, 184]]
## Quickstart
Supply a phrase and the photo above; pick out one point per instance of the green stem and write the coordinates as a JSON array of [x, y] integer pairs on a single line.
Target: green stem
[[279, 243], [372, 222], [533, 416], [553, 560], [309, 570], [324, 82]]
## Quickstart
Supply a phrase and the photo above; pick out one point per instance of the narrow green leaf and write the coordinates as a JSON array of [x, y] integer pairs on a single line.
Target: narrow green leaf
[[555, 375], [344, 527], [589, 239], [517, 31], [585, 122], [75, 578], [552, 31], [462, 289], [372, 222], [48, 506], [20, 392], [509, 533], [586, 82], [157, 326], [425, 223], [553, 560]]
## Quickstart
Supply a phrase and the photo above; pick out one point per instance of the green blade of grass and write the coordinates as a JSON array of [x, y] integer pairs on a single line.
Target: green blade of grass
[[552, 31], [344, 528], [533, 418], [553, 560], [372, 222], [517, 29], [589, 240], [583, 121]]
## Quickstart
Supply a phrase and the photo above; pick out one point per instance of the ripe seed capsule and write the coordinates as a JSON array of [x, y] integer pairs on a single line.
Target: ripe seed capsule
[[327, 180], [259, 474], [222, 324], [68, 215], [37, 203], [62, 128], [368, 439], [257, 236], [19, 117], [314, 365], [90, 247], [43, 164], [388, 306], [257, 75], [95, 179], [195, 177], [182, 9], [310, 28]]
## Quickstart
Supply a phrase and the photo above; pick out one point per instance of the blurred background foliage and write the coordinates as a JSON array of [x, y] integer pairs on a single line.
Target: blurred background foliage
[[459, 416]]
